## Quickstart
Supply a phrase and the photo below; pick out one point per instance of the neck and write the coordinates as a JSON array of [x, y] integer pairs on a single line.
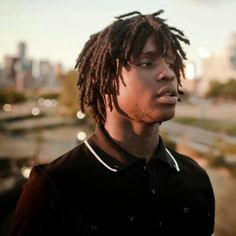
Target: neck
[[139, 139]]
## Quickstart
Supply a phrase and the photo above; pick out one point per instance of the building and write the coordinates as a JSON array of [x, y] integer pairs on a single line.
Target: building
[[8, 72], [24, 75], [17, 70], [220, 66], [20, 73], [22, 51]]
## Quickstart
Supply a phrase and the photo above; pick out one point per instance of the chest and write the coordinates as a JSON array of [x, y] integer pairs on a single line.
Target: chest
[[138, 200]]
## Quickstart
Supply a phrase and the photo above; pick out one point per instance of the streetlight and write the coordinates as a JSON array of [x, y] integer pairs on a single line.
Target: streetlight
[[203, 52], [190, 72]]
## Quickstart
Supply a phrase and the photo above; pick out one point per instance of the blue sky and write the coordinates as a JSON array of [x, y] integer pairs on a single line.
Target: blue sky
[[57, 29]]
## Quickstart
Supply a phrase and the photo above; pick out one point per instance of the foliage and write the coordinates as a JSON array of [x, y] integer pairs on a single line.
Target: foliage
[[11, 96], [69, 93], [222, 90], [49, 95], [228, 90], [213, 125]]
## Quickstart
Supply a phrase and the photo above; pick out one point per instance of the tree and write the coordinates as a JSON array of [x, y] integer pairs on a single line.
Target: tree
[[69, 93], [223, 90], [228, 90]]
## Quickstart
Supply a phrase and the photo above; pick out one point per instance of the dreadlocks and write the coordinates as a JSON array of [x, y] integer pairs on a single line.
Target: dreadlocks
[[106, 52]]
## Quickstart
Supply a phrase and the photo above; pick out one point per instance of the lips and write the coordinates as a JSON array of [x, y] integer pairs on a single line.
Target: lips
[[167, 91], [167, 95]]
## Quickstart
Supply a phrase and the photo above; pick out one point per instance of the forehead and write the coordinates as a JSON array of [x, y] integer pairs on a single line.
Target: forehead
[[150, 45], [156, 47]]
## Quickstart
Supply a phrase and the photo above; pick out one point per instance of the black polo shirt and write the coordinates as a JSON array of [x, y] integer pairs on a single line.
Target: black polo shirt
[[100, 189]]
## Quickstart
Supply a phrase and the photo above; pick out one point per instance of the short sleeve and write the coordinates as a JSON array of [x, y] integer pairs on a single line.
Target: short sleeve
[[38, 209]]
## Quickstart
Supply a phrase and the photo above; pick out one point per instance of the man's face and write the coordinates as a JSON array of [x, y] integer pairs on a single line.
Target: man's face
[[148, 87]]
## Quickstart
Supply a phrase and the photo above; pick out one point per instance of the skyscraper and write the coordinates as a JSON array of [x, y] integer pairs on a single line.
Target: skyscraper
[[21, 51]]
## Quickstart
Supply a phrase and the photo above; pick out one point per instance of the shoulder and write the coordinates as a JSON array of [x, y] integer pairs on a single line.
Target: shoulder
[[66, 164], [188, 164], [194, 176], [64, 170]]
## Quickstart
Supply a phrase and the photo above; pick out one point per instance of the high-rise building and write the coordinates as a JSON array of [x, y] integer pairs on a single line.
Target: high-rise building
[[1, 78], [21, 73], [45, 73], [24, 77], [22, 51], [220, 66], [8, 72], [58, 70], [232, 51]]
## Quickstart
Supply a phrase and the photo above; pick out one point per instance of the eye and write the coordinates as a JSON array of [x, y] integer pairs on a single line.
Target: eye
[[145, 64]]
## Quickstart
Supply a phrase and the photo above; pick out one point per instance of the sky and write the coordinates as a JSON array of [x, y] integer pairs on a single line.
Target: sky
[[57, 29]]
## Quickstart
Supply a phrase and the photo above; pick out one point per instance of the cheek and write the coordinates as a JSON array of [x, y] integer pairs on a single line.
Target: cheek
[[135, 83], [134, 95]]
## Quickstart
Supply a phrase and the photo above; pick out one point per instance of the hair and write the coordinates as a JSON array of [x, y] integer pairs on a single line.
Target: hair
[[106, 52]]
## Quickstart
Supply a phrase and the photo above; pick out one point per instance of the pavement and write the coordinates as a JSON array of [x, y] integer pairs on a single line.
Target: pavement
[[49, 144]]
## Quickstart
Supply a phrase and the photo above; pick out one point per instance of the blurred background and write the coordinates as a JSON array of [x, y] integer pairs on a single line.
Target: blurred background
[[39, 114]]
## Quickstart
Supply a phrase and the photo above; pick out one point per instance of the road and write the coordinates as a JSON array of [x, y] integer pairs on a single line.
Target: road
[[51, 143], [196, 135]]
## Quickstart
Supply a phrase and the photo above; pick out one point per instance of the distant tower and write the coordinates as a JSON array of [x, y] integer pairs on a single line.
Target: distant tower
[[220, 66], [24, 69], [21, 51], [232, 51], [9, 71], [58, 70], [45, 73]]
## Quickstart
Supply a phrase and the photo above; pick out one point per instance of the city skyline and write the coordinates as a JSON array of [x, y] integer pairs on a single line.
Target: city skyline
[[20, 53], [21, 72], [57, 31]]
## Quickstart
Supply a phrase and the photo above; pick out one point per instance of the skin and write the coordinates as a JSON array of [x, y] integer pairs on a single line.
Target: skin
[[143, 102]]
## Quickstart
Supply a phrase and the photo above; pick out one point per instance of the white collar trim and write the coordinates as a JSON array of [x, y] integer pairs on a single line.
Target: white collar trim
[[115, 170], [176, 164], [98, 158]]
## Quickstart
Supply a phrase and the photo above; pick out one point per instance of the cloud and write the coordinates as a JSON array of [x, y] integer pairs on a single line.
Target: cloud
[[209, 2]]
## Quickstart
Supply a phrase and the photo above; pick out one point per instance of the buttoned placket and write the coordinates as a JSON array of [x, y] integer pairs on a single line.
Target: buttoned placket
[[152, 181], [154, 199], [154, 205]]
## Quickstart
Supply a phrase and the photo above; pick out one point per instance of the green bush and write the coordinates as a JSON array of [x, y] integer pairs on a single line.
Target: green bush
[[224, 90], [208, 124], [11, 96], [48, 95]]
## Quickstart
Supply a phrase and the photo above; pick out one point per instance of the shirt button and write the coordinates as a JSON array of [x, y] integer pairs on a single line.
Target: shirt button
[[116, 167], [131, 218], [153, 191], [93, 227], [186, 210]]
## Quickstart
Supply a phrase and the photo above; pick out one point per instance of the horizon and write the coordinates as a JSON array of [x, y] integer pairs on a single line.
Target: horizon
[[56, 31]]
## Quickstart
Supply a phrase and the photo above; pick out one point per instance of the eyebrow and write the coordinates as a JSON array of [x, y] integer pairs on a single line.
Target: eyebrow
[[155, 54], [150, 54]]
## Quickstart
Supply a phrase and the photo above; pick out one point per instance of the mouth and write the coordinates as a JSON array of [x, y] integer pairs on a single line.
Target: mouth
[[167, 91], [167, 95]]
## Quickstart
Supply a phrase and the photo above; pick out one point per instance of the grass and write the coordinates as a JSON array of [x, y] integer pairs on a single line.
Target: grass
[[212, 125]]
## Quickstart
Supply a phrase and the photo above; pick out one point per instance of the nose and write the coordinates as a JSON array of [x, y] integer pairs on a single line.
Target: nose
[[165, 72]]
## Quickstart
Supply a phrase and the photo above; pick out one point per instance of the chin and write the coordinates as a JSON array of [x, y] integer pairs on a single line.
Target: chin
[[159, 120], [165, 117]]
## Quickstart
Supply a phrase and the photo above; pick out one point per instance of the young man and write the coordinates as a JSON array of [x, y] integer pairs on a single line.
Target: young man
[[123, 180]]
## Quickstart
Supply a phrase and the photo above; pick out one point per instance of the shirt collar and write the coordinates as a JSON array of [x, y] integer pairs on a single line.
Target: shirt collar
[[115, 158]]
